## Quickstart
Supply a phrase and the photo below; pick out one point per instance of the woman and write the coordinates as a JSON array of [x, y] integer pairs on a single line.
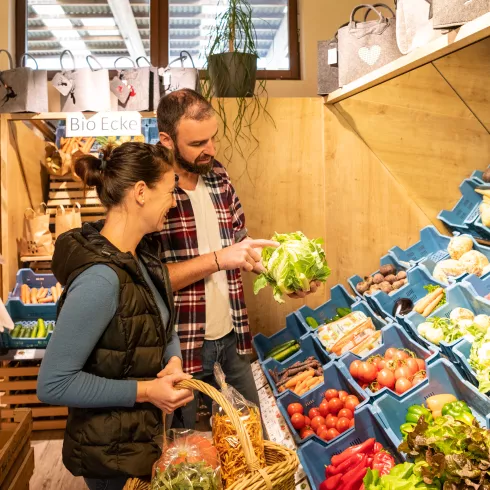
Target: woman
[[114, 332]]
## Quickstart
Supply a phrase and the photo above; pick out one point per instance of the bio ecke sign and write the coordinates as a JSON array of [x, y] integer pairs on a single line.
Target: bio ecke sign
[[103, 124]]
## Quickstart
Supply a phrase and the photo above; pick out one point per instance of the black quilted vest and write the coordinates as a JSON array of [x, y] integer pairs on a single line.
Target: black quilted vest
[[111, 442]]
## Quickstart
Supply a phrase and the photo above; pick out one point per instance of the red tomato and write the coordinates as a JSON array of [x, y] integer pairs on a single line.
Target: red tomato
[[321, 428], [314, 412], [334, 405], [343, 395], [324, 410], [413, 365], [316, 422], [305, 433], [400, 355], [418, 377], [402, 385], [329, 394], [351, 402], [295, 408], [345, 412], [386, 378], [390, 353], [307, 421], [323, 435], [331, 422], [421, 364], [352, 423], [298, 421], [367, 372], [381, 364], [332, 434], [354, 368], [403, 372], [342, 424]]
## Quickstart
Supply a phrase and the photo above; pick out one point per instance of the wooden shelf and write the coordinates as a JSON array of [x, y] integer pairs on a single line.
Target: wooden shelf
[[456, 39], [54, 116], [36, 258]]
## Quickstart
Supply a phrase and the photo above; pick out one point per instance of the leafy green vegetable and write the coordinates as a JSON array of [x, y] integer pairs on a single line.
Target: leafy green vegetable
[[187, 476], [430, 288], [480, 361], [293, 265], [402, 477]]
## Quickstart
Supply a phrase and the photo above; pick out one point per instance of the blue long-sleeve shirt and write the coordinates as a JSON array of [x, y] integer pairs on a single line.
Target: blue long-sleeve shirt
[[91, 303]]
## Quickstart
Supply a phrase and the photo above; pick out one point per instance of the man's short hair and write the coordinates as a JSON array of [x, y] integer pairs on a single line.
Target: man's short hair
[[184, 103]]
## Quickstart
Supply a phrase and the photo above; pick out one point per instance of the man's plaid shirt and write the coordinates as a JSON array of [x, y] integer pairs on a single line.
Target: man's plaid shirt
[[179, 239]]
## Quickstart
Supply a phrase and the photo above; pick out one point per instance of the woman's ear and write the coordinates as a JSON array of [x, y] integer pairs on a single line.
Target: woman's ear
[[139, 192]]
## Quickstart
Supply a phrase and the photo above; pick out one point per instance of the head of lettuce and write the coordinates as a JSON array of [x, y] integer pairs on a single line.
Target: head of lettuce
[[293, 265]]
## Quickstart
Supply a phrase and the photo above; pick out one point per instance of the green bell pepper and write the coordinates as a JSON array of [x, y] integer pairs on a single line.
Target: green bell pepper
[[459, 411], [415, 412]]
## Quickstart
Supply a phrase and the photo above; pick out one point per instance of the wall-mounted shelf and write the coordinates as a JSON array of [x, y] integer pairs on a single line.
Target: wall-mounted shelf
[[55, 116], [456, 39]]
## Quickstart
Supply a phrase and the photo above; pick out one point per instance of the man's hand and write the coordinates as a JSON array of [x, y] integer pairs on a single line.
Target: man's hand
[[174, 366], [314, 285], [244, 255]]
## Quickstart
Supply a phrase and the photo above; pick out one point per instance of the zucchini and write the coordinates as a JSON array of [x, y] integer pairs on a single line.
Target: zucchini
[[285, 354], [50, 327], [280, 348], [16, 331], [41, 331], [311, 322], [34, 331]]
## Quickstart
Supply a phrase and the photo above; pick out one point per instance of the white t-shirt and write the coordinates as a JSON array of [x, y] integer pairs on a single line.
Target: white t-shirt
[[218, 314]]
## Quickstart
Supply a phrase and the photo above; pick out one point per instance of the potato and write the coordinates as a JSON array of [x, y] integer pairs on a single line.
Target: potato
[[391, 278], [398, 284], [401, 275], [362, 287], [369, 281], [486, 175], [387, 269], [386, 287], [378, 278], [373, 289]]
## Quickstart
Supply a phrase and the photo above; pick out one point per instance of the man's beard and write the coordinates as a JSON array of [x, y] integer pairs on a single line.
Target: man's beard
[[194, 167]]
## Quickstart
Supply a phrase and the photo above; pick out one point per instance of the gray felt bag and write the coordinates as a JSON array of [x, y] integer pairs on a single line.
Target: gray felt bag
[[366, 46], [453, 13]]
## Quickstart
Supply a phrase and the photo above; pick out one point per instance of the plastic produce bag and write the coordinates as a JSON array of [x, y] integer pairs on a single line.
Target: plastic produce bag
[[232, 458], [189, 461]]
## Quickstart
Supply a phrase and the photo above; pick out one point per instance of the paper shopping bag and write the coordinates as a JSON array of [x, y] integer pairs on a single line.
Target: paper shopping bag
[[67, 218], [37, 238]]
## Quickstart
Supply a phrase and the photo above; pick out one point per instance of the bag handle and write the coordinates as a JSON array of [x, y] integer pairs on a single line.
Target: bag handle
[[370, 7], [23, 60], [341, 27], [91, 57], [379, 5], [124, 58], [182, 57], [67, 51], [11, 61], [60, 206], [142, 58]]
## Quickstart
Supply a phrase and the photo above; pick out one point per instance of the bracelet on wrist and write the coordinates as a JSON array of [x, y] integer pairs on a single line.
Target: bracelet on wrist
[[216, 260]]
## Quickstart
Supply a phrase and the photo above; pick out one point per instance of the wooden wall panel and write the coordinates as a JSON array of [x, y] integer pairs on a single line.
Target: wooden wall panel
[[367, 210], [468, 73], [423, 133], [281, 188]]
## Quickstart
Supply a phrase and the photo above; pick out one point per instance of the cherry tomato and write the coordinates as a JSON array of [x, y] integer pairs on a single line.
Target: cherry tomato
[[298, 421], [332, 434], [413, 365], [389, 354], [331, 422], [381, 364], [334, 405], [354, 368], [400, 355], [323, 435], [367, 372], [305, 433], [316, 422], [329, 394], [295, 408], [342, 424], [321, 428], [352, 423], [421, 364], [343, 395], [307, 421], [345, 412], [314, 412], [386, 378], [351, 402], [403, 372], [324, 410], [402, 385]]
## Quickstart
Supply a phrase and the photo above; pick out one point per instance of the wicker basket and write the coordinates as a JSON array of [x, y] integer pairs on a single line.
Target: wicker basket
[[282, 463]]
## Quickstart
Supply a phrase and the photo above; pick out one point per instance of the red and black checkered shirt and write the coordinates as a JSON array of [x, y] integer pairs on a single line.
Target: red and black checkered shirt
[[179, 239]]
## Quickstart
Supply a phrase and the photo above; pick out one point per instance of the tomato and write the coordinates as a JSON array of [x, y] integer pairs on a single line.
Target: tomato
[[402, 385], [403, 372], [400, 355], [381, 364], [354, 368], [314, 412], [331, 422], [329, 394], [334, 405], [413, 365], [390, 353], [421, 364], [332, 434], [367, 372], [342, 424], [343, 395], [345, 412], [324, 410], [351, 402], [352, 423], [386, 378], [298, 421], [418, 377], [307, 421], [323, 435], [321, 428], [316, 422], [305, 433], [295, 408]]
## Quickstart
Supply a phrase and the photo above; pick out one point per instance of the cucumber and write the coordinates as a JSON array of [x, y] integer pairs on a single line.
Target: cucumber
[[16, 331], [280, 348], [41, 330], [50, 327], [22, 332], [285, 354], [34, 331], [311, 322]]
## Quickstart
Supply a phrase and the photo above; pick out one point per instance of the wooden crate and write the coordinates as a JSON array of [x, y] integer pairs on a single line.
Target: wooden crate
[[18, 382], [16, 453]]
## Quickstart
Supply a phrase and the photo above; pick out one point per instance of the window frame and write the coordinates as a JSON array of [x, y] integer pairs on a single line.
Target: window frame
[[159, 39]]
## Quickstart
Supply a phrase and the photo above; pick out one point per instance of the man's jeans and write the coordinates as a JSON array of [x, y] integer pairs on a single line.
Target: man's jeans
[[237, 370]]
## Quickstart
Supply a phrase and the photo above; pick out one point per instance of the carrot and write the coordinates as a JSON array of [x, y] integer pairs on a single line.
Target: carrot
[[54, 294], [316, 381], [312, 381], [45, 300], [299, 378], [34, 296], [302, 385], [42, 293], [24, 293], [427, 300], [431, 307], [58, 289]]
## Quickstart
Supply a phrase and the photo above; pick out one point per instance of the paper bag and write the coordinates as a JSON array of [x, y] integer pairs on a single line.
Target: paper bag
[[37, 240]]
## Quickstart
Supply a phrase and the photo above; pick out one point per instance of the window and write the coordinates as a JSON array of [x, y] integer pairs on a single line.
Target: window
[[157, 29]]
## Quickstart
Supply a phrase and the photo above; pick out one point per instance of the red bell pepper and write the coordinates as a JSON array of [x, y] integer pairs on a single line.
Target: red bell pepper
[[331, 483], [342, 468], [383, 462], [352, 480], [365, 447], [377, 447]]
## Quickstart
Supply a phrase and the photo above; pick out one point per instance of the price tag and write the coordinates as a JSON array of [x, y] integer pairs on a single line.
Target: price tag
[[333, 58], [25, 355]]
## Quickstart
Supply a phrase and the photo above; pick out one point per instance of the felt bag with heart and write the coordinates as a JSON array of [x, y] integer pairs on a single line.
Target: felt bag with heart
[[37, 239], [366, 46], [67, 218], [453, 13], [179, 77]]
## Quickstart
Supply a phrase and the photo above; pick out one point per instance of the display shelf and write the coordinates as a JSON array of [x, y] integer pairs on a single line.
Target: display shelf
[[454, 40], [56, 116], [36, 258]]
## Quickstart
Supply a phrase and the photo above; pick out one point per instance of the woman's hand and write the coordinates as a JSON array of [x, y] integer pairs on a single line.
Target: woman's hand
[[174, 366], [314, 285], [161, 392]]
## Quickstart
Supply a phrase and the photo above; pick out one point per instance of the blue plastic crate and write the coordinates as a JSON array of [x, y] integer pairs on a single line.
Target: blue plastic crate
[[462, 352], [393, 336], [459, 295], [432, 245], [481, 286], [316, 454], [418, 277], [33, 280], [481, 230], [443, 378], [294, 329], [309, 346], [334, 378], [477, 176], [27, 315]]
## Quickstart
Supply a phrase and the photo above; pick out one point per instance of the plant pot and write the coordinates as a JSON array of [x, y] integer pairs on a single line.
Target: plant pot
[[232, 74]]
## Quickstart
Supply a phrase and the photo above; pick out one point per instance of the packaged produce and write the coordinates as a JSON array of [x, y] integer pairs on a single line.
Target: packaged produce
[[225, 438], [283, 351], [340, 313], [293, 265], [189, 461], [480, 360], [388, 279], [300, 377], [435, 298]]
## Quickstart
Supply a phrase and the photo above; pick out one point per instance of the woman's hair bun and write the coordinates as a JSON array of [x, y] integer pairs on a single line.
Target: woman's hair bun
[[90, 169]]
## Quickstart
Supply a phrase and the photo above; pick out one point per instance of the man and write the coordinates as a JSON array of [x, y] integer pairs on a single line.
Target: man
[[206, 246]]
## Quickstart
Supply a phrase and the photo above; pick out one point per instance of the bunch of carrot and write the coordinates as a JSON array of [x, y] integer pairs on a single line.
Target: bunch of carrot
[[30, 296], [430, 302], [303, 382]]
